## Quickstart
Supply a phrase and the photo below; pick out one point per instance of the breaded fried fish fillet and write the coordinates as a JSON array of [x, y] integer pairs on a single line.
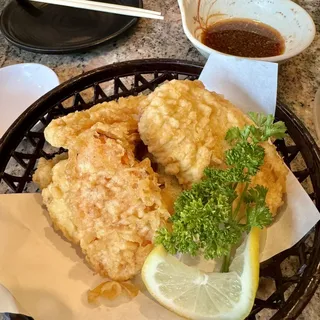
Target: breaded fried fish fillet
[[184, 126]]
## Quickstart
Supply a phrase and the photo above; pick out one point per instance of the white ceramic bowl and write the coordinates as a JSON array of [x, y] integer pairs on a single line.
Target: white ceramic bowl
[[20, 86], [293, 22], [316, 112]]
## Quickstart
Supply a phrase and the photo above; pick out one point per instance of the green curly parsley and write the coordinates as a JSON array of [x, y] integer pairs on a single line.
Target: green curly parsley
[[206, 218]]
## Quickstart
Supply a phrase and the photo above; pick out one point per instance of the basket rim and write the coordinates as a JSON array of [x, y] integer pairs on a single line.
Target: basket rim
[[305, 289]]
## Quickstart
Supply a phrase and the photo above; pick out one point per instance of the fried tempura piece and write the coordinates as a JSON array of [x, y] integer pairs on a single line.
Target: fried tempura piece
[[170, 189], [58, 207], [52, 180], [184, 126], [114, 200], [43, 174], [121, 115], [272, 175]]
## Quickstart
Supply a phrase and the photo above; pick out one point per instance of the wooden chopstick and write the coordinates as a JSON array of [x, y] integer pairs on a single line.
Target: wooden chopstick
[[116, 6], [105, 7]]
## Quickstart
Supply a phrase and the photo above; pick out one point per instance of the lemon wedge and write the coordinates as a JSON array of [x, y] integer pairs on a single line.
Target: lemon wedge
[[197, 295]]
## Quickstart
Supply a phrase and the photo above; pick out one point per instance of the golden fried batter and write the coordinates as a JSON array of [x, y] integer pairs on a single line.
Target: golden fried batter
[[114, 200], [43, 175], [52, 180], [273, 176], [184, 126], [121, 115], [170, 189]]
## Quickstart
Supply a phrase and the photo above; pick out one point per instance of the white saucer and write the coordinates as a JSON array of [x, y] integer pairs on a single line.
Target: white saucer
[[20, 86], [316, 109]]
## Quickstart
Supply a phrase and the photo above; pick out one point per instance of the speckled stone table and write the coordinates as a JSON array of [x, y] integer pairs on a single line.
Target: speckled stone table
[[299, 78]]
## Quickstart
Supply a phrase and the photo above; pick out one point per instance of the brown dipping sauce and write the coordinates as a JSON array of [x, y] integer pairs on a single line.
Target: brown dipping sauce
[[244, 38]]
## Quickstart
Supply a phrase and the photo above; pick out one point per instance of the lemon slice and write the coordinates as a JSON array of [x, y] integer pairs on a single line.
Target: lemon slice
[[197, 295]]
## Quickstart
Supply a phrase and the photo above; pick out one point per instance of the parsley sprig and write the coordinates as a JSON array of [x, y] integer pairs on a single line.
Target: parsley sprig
[[207, 217]]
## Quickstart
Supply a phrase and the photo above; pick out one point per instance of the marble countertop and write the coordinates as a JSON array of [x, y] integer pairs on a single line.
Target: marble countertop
[[299, 78]]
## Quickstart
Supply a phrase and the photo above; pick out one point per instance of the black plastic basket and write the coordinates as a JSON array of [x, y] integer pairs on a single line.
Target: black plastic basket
[[292, 275]]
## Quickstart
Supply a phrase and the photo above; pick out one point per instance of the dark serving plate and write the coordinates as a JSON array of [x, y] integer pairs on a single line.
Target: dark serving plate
[[47, 28], [293, 274], [13, 316]]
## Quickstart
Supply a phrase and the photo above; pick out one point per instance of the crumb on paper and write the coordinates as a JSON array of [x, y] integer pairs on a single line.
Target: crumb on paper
[[111, 290]]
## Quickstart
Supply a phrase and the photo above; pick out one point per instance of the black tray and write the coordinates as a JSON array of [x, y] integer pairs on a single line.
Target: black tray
[[294, 273]]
